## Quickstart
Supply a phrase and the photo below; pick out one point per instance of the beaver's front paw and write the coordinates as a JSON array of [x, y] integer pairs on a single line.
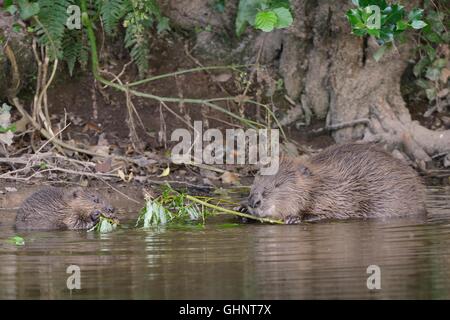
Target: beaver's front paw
[[243, 209], [292, 220]]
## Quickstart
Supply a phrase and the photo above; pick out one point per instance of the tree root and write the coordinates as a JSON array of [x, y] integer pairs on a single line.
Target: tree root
[[399, 130]]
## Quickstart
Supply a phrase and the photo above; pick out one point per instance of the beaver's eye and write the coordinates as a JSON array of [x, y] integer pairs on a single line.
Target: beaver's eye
[[265, 193], [95, 199]]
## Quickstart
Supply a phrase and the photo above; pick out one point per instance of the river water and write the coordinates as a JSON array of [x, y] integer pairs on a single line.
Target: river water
[[250, 261]]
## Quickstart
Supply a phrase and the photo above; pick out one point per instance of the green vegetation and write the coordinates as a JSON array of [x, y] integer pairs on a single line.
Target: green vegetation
[[432, 62], [178, 208], [16, 240], [432, 21], [49, 19], [384, 21], [265, 15], [104, 225]]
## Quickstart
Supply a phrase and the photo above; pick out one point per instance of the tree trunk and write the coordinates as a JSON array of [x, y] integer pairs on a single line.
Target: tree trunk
[[333, 73]]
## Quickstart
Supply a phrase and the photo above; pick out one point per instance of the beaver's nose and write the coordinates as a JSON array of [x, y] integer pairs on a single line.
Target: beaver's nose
[[254, 201], [109, 209]]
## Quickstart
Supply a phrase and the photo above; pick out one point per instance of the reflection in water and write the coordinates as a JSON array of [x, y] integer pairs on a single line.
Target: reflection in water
[[325, 260]]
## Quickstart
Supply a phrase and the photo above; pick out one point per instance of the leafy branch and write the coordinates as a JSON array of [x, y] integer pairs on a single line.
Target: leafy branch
[[173, 207], [384, 21]]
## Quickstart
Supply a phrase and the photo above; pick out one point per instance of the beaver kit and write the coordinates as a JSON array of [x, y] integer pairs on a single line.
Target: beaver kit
[[343, 181], [63, 209]]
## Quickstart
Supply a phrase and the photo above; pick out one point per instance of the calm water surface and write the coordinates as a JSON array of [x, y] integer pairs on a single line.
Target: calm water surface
[[316, 261]]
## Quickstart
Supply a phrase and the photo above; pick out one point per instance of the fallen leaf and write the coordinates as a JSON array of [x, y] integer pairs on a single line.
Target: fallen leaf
[[104, 167], [230, 178], [21, 125], [224, 77], [165, 173], [7, 138], [121, 175], [445, 74]]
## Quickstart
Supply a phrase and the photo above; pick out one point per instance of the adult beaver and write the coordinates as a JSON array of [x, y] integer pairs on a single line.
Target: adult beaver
[[64, 209], [343, 181]]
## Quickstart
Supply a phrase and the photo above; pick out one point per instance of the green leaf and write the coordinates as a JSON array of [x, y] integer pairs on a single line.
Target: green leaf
[[16, 240], [424, 84], [219, 5], [431, 94], [284, 18], [418, 24], [104, 225], [440, 63], [433, 37], [28, 9], [402, 25], [12, 9], [379, 53], [415, 14], [163, 25], [266, 21], [431, 52], [246, 14], [354, 17], [418, 68], [433, 74], [374, 32]]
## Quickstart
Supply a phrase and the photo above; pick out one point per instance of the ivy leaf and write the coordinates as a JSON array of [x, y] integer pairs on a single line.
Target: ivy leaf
[[440, 63], [418, 68], [27, 9], [266, 21], [246, 14], [415, 14], [374, 32], [402, 25], [12, 9], [433, 74], [418, 24], [284, 18], [431, 94]]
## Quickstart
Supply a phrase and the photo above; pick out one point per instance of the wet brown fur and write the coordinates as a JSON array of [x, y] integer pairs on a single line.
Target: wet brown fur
[[64, 209], [343, 181]]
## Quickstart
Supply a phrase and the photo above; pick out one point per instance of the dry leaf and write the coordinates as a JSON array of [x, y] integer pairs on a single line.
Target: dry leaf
[[165, 173], [121, 175], [445, 74], [6, 138], [230, 178], [224, 77], [104, 166]]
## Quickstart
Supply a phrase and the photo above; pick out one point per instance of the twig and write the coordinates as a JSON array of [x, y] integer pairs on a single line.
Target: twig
[[342, 125], [228, 211]]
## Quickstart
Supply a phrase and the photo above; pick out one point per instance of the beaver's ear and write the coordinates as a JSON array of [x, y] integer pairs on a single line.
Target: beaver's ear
[[304, 170]]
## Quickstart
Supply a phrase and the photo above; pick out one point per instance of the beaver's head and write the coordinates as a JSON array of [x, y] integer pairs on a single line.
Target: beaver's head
[[85, 208], [286, 193]]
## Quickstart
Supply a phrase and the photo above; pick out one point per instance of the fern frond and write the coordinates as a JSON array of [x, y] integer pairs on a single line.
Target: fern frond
[[72, 47], [111, 12], [53, 17], [138, 45]]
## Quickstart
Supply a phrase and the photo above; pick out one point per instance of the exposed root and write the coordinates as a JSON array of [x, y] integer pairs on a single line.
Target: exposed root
[[398, 130]]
